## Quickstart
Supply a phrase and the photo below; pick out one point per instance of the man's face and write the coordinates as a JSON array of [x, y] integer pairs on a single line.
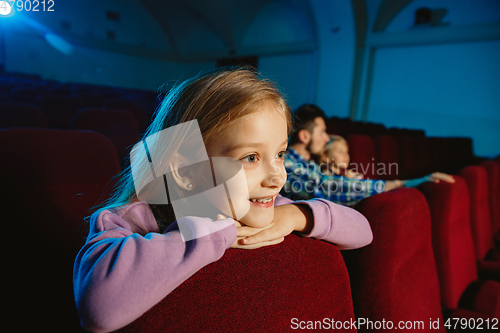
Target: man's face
[[319, 138]]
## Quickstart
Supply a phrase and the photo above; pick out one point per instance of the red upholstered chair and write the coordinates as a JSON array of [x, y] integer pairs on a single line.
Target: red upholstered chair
[[261, 290], [408, 156], [333, 126], [386, 155], [59, 109], [438, 153], [395, 277], [25, 95], [454, 250], [124, 104], [477, 182], [461, 152], [21, 115], [50, 180], [373, 129], [423, 158], [493, 170], [120, 126], [362, 152], [486, 255]]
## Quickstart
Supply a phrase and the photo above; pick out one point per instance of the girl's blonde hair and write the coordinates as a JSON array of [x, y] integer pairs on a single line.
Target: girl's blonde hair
[[215, 100]]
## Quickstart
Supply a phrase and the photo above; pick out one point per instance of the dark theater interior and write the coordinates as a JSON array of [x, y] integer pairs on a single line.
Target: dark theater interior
[[410, 88]]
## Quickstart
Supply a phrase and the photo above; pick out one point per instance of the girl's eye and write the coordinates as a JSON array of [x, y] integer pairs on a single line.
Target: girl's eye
[[280, 155], [250, 158]]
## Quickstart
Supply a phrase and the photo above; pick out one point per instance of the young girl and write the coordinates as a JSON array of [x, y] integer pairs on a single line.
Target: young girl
[[336, 157], [137, 251]]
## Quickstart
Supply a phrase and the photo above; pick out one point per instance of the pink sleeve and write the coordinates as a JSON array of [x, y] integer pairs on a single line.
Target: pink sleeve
[[341, 225], [126, 266]]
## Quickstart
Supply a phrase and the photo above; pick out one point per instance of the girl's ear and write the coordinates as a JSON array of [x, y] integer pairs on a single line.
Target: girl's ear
[[180, 174], [304, 136]]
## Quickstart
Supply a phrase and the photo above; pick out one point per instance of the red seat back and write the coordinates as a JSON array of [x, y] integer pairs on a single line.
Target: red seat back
[[362, 152], [261, 289], [59, 109], [451, 237], [120, 126], [386, 155], [21, 115], [54, 177], [477, 182], [333, 126], [408, 156], [395, 277], [51, 179], [136, 109], [493, 170]]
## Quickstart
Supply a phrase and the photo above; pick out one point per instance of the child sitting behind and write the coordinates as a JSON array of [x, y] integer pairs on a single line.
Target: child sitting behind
[[335, 158]]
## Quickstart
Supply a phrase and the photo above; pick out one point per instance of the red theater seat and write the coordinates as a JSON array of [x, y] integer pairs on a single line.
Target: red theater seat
[[260, 290], [486, 255], [50, 180], [373, 129], [477, 183], [362, 152], [386, 155], [408, 156], [120, 126], [493, 170], [395, 277], [438, 153], [454, 250], [123, 104], [59, 109], [21, 115], [333, 126], [25, 95]]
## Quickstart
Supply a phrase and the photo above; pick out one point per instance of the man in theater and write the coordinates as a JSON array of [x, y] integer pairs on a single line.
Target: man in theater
[[305, 178]]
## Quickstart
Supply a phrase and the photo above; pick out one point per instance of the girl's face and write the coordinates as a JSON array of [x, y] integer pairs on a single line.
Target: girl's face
[[259, 141], [339, 154]]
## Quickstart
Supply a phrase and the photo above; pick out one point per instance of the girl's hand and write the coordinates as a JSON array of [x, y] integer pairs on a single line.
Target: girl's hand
[[436, 177], [287, 218], [243, 229]]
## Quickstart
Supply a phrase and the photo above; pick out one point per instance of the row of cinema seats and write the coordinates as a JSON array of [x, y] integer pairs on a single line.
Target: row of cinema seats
[[385, 156], [432, 248], [60, 102], [433, 253]]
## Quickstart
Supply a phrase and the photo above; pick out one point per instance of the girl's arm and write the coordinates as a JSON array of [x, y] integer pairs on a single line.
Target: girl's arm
[[126, 266], [318, 218]]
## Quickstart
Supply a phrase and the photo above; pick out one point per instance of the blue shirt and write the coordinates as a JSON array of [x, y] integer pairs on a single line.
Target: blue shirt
[[305, 181]]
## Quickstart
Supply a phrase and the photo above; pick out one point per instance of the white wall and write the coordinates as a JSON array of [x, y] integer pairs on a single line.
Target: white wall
[[448, 89], [336, 36]]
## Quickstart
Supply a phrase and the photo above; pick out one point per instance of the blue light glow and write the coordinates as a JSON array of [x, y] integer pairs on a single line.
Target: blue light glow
[[59, 44]]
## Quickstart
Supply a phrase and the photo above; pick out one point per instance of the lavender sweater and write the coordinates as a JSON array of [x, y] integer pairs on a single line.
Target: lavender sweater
[[127, 266]]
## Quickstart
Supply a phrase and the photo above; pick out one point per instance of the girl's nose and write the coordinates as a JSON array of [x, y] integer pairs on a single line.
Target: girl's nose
[[273, 176]]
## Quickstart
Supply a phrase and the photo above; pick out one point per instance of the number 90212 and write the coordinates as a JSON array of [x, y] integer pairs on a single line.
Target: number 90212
[[35, 5]]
